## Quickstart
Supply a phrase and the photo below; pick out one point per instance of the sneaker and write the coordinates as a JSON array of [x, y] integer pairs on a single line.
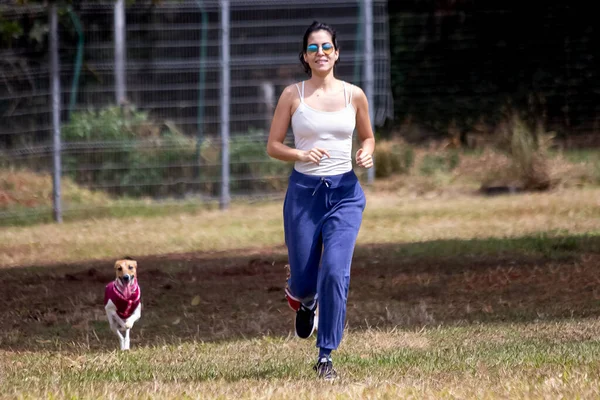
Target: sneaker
[[324, 369], [306, 323]]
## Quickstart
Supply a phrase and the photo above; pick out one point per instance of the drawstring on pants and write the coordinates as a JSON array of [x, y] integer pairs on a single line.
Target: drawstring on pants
[[322, 181]]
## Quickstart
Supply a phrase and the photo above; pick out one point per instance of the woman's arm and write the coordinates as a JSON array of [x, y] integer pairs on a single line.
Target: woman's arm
[[279, 127], [364, 156]]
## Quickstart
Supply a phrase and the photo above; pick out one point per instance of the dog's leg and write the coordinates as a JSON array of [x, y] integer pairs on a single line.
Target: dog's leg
[[129, 323], [137, 313], [127, 339], [117, 325], [113, 321], [115, 328], [123, 341]]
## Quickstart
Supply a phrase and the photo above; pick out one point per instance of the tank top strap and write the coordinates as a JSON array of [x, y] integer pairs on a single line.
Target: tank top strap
[[350, 98], [301, 93]]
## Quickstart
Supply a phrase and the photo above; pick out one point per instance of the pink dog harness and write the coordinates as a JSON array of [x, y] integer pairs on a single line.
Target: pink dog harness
[[125, 297]]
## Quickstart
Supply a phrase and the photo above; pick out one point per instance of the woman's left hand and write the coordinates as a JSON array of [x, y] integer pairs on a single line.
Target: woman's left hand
[[364, 159]]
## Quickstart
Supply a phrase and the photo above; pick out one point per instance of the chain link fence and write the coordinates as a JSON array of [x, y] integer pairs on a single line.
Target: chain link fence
[[163, 139]]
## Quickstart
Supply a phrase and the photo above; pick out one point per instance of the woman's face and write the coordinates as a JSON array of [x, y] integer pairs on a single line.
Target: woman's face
[[319, 44]]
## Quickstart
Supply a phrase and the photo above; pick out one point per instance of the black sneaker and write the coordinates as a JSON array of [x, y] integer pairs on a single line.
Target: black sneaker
[[324, 369], [305, 321]]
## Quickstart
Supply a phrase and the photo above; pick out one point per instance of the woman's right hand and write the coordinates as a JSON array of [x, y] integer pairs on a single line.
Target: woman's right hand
[[314, 155]]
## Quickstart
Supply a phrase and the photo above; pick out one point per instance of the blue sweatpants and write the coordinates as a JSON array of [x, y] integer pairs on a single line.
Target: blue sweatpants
[[322, 216]]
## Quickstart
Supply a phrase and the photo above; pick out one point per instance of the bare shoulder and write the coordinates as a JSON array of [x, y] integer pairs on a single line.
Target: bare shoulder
[[290, 92], [359, 98], [290, 97], [357, 92]]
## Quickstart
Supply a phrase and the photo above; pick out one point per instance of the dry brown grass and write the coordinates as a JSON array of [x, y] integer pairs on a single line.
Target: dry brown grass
[[389, 218], [269, 368], [189, 296], [552, 385], [452, 296], [440, 215], [516, 162], [20, 188]]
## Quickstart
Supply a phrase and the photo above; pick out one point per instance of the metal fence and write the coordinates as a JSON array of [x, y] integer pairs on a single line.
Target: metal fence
[[175, 105]]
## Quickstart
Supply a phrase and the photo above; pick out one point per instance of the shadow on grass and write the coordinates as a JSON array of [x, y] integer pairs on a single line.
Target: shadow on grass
[[214, 297]]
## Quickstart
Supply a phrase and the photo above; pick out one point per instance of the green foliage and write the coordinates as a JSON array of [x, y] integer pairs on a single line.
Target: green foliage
[[393, 158], [456, 61], [529, 157], [528, 166], [9, 30], [125, 153], [433, 163], [109, 124], [31, 35], [251, 167]]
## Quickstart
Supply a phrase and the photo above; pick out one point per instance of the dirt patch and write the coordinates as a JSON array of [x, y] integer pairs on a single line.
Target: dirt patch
[[225, 296]]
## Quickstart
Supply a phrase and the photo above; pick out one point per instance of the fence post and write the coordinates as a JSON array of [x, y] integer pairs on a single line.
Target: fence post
[[201, 86], [369, 72], [119, 39], [55, 88], [225, 85]]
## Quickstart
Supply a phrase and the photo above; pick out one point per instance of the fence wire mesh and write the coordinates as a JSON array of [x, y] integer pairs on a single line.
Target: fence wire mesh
[[163, 142]]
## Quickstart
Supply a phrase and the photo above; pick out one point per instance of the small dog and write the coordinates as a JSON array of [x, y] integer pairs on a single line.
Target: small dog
[[122, 300]]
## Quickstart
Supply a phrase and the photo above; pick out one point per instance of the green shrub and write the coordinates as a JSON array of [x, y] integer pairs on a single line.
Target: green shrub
[[529, 167], [125, 153], [529, 156], [433, 163], [393, 158], [252, 170], [109, 124]]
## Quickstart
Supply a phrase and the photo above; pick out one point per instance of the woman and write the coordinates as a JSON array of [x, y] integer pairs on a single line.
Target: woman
[[324, 202]]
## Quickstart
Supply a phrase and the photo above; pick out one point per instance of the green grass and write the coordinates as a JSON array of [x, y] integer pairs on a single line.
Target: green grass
[[582, 155], [512, 317], [387, 219], [508, 360], [451, 296], [548, 245], [22, 216]]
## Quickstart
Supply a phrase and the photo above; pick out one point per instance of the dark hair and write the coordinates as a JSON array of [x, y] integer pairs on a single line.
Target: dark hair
[[316, 26]]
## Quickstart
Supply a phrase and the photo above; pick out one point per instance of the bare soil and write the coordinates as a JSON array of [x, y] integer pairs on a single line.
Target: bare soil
[[224, 296]]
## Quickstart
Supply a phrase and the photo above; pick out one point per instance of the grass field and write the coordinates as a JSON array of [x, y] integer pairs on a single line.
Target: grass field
[[453, 295]]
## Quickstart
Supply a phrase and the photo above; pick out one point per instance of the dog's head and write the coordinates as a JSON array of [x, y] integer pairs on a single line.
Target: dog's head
[[126, 270]]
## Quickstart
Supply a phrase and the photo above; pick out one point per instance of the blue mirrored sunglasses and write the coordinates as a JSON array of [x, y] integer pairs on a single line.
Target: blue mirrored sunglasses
[[326, 47]]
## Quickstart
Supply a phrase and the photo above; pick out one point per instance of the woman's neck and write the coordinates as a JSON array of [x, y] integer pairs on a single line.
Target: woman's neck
[[325, 83]]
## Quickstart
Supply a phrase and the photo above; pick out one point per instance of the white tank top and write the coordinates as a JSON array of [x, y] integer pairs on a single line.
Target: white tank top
[[330, 130]]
